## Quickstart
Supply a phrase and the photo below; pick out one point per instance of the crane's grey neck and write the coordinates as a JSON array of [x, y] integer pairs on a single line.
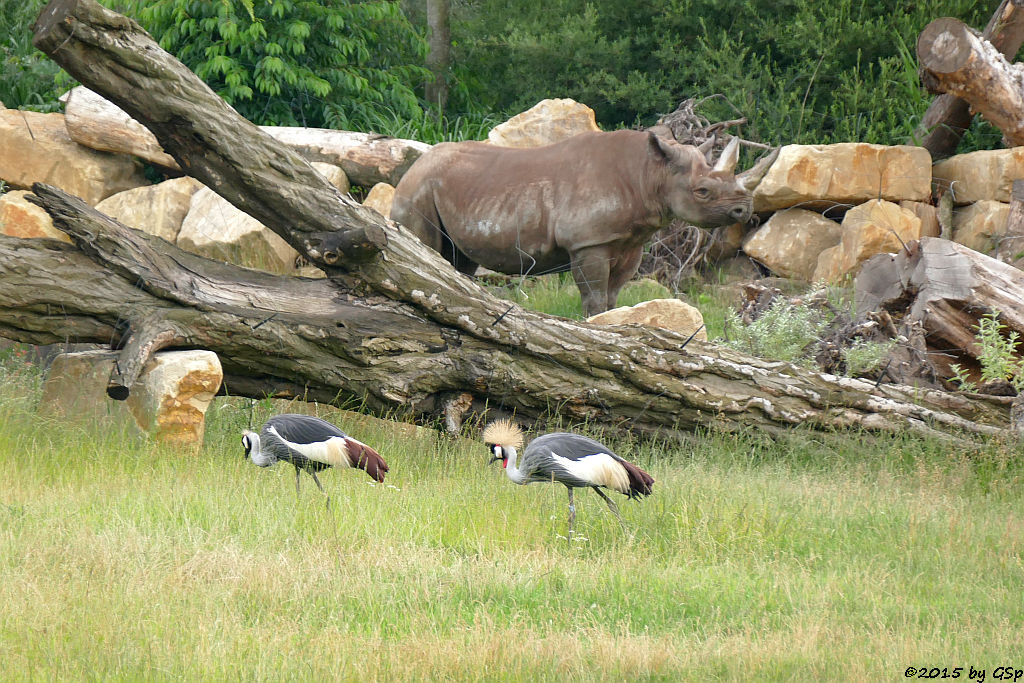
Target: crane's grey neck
[[256, 453], [513, 472]]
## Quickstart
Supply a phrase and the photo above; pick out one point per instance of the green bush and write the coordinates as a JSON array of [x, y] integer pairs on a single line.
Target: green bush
[[28, 79], [998, 356], [784, 332], [332, 64]]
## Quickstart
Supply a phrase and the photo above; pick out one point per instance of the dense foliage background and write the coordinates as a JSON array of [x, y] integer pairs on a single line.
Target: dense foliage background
[[801, 71]]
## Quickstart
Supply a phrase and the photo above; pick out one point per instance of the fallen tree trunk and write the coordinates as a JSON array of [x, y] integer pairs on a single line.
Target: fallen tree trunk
[[947, 288], [948, 117], [956, 59], [393, 326], [366, 158]]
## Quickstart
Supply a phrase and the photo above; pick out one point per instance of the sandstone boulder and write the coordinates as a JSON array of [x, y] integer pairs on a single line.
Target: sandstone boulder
[[175, 388], [168, 401], [379, 199], [790, 243], [874, 227], [980, 225], [214, 228], [36, 148], [19, 218], [546, 122], [988, 174], [334, 175], [820, 176], [726, 242], [155, 209], [669, 314], [929, 215]]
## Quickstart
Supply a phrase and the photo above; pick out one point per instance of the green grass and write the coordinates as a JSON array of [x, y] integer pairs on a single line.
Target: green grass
[[557, 294], [818, 557]]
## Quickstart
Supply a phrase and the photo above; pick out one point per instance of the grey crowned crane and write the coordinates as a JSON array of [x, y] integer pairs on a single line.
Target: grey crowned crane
[[574, 460], [310, 444]]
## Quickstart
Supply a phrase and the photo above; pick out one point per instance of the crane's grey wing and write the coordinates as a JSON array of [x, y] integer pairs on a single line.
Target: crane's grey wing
[[286, 435], [562, 457], [571, 446], [577, 460], [303, 428]]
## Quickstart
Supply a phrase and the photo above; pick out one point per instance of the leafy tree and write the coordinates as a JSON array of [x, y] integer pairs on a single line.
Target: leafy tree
[[331, 63], [801, 70], [28, 79]]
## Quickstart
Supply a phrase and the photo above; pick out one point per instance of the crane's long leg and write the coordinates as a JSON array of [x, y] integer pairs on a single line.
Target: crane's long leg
[[572, 513], [297, 473], [319, 486], [612, 506]]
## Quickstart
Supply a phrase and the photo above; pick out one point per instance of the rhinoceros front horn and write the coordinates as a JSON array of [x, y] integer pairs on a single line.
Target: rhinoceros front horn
[[756, 173], [730, 155]]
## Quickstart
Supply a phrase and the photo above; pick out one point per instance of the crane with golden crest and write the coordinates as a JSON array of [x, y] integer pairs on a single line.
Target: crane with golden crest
[[572, 459]]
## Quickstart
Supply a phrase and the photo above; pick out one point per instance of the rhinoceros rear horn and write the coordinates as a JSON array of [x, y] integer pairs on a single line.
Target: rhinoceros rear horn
[[708, 145], [730, 155], [756, 173]]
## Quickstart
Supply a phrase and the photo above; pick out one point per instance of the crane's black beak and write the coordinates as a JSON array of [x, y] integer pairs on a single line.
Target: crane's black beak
[[494, 456]]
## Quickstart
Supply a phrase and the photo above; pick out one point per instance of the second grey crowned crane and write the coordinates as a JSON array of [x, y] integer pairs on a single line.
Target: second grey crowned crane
[[574, 460], [310, 444]]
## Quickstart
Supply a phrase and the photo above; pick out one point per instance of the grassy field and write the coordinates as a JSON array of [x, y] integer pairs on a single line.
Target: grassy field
[[819, 557]]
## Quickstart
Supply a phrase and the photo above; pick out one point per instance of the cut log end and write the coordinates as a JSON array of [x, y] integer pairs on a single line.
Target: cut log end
[[945, 45]]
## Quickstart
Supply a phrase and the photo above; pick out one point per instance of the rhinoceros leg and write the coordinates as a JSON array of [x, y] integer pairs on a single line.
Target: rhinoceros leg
[[622, 269], [590, 268]]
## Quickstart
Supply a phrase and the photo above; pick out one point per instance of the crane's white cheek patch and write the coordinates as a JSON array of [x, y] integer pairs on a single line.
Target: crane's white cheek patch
[[600, 468]]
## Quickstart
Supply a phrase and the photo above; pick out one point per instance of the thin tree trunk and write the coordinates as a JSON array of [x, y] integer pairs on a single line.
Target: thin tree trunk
[[439, 56], [393, 327]]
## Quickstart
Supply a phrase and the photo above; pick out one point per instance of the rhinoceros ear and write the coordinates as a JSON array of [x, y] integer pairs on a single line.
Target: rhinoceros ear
[[730, 155], [673, 152]]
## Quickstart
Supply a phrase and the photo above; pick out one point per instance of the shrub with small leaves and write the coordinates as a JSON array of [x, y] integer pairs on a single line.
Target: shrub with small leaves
[[864, 357], [962, 378], [998, 354], [783, 332]]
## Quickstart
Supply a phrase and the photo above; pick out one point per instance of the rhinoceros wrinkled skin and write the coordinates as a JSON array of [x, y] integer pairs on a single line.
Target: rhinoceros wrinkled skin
[[585, 204]]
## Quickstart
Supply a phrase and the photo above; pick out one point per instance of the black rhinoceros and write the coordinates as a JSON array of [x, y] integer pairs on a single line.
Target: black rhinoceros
[[587, 204]]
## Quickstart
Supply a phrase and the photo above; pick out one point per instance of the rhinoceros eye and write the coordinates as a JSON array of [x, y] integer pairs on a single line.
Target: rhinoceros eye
[[701, 192]]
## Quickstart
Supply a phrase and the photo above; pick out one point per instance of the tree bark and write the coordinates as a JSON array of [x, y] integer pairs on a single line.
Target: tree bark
[[366, 158], [955, 59], [947, 288], [439, 55], [393, 327], [948, 116]]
